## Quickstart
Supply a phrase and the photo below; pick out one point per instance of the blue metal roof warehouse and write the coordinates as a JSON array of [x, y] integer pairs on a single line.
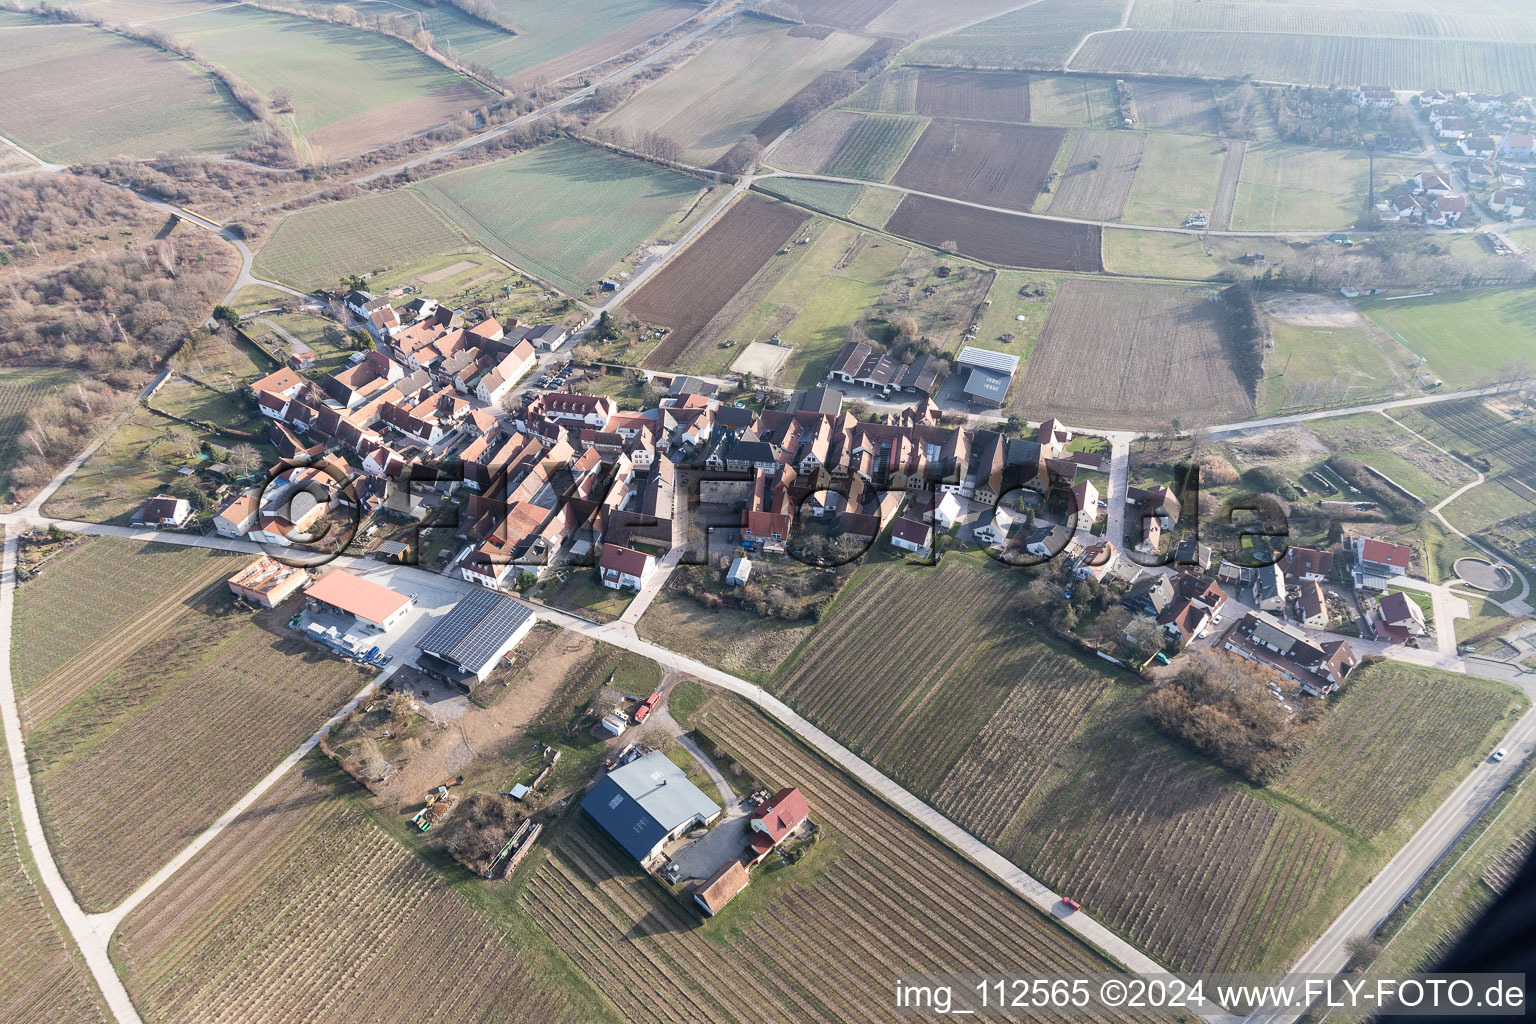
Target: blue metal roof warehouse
[[647, 802]]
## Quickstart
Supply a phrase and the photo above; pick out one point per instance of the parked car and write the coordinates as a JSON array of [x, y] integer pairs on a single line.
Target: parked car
[[1466, 649], [1070, 903]]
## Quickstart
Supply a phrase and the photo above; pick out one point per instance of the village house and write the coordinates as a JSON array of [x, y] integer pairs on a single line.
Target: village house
[[1314, 604], [1379, 96], [163, 512], [1306, 564], [947, 511], [1446, 211], [1510, 202], [237, 515], [1516, 146], [1097, 561], [267, 582], [1319, 668], [1479, 146], [1397, 618], [1432, 183], [622, 567], [1269, 588], [775, 820], [912, 536], [1377, 562], [992, 526]]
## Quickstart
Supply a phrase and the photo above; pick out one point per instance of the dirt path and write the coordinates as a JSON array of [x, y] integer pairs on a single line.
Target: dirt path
[[1226, 187]]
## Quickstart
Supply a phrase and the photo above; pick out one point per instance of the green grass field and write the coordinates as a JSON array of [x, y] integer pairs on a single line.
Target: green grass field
[[319, 246], [1323, 366], [1179, 257], [350, 89], [727, 89], [831, 196], [1468, 338], [68, 92], [875, 148], [1089, 102], [1038, 36], [1286, 187], [875, 206], [1007, 305], [565, 212], [812, 304], [1178, 175], [1487, 503]]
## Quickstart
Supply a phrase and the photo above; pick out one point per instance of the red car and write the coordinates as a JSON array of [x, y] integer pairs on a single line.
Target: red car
[[1070, 903]]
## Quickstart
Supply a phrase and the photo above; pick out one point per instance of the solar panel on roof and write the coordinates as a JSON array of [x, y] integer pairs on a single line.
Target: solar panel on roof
[[477, 628]]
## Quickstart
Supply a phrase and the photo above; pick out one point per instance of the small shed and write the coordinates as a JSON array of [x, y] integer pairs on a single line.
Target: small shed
[[741, 568]]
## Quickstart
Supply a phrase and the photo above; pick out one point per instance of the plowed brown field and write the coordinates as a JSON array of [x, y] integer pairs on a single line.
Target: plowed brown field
[[982, 162], [1012, 241], [689, 291]]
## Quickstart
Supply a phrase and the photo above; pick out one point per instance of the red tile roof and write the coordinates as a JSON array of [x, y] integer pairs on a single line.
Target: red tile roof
[[781, 813], [1399, 556], [623, 560]]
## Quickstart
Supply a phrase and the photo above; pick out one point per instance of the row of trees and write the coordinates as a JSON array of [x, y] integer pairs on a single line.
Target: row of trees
[[1244, 331]]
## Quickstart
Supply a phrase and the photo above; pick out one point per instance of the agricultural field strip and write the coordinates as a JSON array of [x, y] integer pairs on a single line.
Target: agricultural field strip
[[92, 948], [324, 864], [867, 822], [1108, 224]]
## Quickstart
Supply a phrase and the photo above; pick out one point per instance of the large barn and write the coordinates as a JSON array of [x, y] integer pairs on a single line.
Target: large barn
[[988, 374], [466, 645], [647, 803]]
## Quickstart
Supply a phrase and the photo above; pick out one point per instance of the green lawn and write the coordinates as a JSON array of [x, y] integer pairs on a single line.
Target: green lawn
[[875, 206], [585, 594], [565, 212], [1007, 305], [1487, 503], [1179, 257], [332, 73], [1284, 186], [1178, 176], [1323, 366], [1387, 448], [72, 93], [1469, 338], [1485, 616], [1089, 102]]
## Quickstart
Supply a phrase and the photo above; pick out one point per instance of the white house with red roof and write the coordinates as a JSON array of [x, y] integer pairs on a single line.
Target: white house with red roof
[[622, 567], [775, 820], [1378, 561]]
